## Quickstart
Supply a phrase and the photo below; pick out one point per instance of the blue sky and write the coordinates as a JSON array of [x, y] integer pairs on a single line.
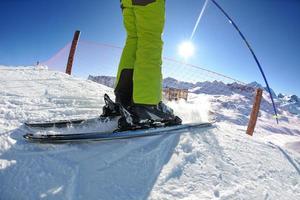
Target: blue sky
[[32, 30]]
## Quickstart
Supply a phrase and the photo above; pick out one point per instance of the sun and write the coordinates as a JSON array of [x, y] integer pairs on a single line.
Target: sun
[[186, 49]]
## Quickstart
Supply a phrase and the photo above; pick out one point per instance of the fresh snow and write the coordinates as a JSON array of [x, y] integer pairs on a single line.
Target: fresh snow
[[221, 162]]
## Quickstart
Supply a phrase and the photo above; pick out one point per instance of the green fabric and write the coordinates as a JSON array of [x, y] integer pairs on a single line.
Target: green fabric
[[143, 49]]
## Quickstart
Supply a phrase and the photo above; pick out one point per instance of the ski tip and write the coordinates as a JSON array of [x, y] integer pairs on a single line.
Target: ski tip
[[28, 136]]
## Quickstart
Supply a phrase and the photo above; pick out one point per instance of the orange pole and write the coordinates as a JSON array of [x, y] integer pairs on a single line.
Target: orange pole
[[72, 52], [254, 112]]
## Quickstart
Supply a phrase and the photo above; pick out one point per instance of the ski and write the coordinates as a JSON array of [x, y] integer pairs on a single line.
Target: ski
[[65, 123], [110, 111], [114, 135]]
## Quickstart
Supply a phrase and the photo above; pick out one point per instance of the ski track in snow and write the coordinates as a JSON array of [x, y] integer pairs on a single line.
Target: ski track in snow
[[212, 163]]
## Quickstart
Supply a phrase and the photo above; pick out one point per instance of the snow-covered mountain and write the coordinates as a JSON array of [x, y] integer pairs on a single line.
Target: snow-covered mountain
[[108, 81], [199, 87], [257, 85], [221, 162], [173, 83], [289, 103], [289, 99]]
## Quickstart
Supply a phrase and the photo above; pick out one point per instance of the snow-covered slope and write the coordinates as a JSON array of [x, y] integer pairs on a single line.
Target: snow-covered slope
[[215, 163]]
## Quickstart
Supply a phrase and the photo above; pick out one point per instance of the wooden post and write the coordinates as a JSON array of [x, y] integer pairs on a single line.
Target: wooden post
[[72, 52], [254, 112]]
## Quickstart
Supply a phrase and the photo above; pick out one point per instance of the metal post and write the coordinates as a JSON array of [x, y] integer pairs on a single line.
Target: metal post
[[72, 52], [254, 112]]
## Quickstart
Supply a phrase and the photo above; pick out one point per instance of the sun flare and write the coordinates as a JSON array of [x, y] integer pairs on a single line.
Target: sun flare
[[186, 49]]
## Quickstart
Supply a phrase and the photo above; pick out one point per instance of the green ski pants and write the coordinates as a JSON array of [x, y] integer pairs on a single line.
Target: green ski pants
[[139, 77]]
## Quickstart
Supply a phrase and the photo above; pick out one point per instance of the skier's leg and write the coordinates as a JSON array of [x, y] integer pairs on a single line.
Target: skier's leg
[[124, 85], [147, 77]]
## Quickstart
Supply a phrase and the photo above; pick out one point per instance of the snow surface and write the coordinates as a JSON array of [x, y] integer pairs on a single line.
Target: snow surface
[[213, 163]]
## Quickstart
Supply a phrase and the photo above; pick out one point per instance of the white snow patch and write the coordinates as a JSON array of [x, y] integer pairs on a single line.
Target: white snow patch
[[196, 109], [6, 143], [6, 163], [213, 163]]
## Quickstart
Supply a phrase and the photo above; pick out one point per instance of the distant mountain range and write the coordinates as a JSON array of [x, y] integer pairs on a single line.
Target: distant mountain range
[[199, 87], [108, 81], [289, 102]]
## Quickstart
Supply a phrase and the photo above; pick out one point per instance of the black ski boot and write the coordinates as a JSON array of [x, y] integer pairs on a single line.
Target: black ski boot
[[143, 114], [110, 109], [139, 116]]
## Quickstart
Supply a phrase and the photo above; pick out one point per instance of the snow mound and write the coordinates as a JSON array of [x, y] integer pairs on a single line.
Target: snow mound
[[221, 162]]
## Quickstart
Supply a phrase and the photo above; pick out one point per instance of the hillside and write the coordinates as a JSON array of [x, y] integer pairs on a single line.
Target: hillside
[[215, 163]]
